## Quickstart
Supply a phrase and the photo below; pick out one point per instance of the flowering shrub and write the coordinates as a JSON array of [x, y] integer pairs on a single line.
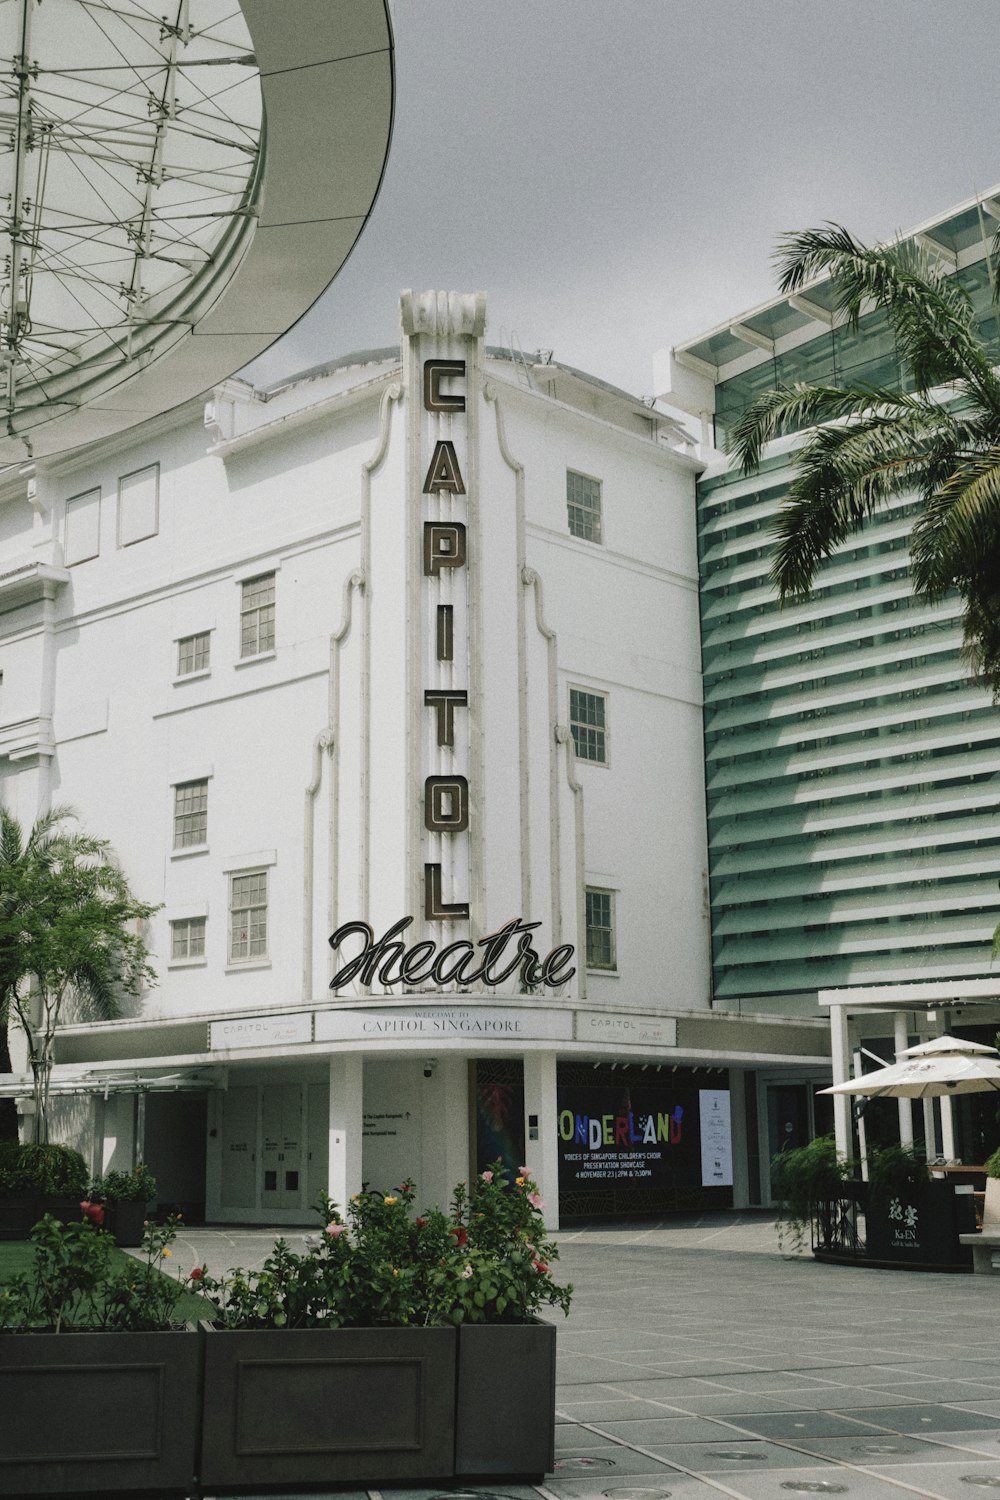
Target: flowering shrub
[[137, 1186], [485, 1261], [77, 1281]]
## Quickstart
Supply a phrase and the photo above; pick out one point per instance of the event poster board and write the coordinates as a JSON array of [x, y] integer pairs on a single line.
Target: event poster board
[[647, 1136], [716, 1138]]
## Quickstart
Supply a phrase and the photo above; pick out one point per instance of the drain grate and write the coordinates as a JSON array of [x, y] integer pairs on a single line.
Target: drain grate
[[757, 1458], [814, 1486], [574, 1465], [985, 1481], [631, 1493], [880, 1448]]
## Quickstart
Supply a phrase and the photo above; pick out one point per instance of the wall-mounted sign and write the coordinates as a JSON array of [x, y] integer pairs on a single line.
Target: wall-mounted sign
[[260, 1031], [504, 954], [600, 1026], [627, 1137], [439, 1023], [716, 1138]]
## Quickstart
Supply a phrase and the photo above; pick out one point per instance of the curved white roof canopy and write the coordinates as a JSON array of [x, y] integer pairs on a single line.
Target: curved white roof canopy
[[179, 181]]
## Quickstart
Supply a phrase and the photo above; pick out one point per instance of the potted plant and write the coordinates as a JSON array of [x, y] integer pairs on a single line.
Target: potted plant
[[803, 1180], [85, 1405], [395, 1348], [36, 1179], [125, 1196]]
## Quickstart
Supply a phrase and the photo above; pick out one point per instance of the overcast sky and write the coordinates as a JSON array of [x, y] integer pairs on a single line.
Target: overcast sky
[[614, 173]]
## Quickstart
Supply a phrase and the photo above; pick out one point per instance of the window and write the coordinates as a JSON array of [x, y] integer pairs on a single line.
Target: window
[[187, 938], [190, 814], [257, 615], [248, 917], [138, 505], [193, 653], [583, 506], [589, 726], [600, 929], [82, 534]]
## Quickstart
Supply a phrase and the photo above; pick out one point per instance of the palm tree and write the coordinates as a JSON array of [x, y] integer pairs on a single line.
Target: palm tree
[[938, 440], [17, 852], [67, 920]]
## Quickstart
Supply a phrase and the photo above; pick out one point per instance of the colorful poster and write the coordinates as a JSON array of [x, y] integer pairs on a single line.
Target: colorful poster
[[646, 1136], [716, 1138]]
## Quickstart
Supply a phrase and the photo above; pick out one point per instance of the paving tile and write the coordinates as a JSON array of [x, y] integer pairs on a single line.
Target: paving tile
[[735, 1454], [675, 1485], [923, 1419], [773, 1485], [655, 1433], [800, 1424], [887, 1450], [951, 1481], [611, 1461]]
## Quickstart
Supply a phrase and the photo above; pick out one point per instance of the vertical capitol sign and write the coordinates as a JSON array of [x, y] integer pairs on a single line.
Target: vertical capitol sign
[[445, 572]]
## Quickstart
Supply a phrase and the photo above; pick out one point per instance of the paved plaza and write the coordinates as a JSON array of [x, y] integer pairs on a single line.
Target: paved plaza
[[697, 1362]]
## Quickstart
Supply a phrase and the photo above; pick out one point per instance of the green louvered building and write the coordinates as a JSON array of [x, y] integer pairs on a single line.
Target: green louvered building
[[853, 772]]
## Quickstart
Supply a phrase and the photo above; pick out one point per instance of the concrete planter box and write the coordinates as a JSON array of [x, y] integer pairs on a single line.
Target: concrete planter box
[[328, 1406], [506, 1400], [125, 1221], [98, 1413], [19, 1215]]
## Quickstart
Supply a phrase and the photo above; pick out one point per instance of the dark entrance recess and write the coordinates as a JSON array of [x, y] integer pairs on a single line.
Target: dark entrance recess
[[176, 1130], [500, 1113], [645, 1168]]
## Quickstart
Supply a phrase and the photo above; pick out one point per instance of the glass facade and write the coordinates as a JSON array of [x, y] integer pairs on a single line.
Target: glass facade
[[853, 770]]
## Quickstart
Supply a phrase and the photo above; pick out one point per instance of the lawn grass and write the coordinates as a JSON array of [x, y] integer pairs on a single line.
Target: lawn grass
[[17, 1258]]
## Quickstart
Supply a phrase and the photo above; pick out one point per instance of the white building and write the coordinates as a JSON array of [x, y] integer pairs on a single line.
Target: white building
[[410, 641]]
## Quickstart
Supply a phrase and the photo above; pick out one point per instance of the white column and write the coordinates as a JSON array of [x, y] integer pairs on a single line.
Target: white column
[[930, 1133], [862, 1133], [541, 1125], [445, 1131], [346, 1115], [901, 1041], [947, 1130], [840, 1056], [738, 1118]]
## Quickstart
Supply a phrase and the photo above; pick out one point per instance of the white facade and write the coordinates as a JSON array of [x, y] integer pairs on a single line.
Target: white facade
[[217, 638]]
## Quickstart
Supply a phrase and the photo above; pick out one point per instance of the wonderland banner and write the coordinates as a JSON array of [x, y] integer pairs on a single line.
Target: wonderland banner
[[647, 1136]]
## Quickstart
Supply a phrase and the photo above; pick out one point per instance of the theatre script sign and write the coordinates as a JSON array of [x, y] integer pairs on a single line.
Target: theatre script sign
[[508, 953]]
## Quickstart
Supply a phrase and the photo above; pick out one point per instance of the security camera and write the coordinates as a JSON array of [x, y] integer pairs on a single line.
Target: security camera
[[429, 1067]]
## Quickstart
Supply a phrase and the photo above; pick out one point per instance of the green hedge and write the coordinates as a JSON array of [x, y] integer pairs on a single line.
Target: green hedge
[[41, 1169]]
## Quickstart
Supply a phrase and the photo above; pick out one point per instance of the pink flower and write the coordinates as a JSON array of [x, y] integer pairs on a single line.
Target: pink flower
[[487, 1176], [92, 1211], [524, 1171], [334, 1230], [535, 1201], [467, 1273]]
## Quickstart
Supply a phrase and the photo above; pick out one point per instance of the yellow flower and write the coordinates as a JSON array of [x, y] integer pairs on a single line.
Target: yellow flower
[[390, 1200], [395, 1270], [167, 1250], [519, 1181]]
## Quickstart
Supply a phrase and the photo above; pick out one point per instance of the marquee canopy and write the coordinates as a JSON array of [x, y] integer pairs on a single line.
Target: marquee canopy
[[178, 184]]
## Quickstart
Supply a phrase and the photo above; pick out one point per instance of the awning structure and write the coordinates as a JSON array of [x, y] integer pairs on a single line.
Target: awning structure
[[96, 1081], [180, 185]]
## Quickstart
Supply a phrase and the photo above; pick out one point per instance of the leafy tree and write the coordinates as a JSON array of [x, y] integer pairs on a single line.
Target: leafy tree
[[69, 933], [938, 440]]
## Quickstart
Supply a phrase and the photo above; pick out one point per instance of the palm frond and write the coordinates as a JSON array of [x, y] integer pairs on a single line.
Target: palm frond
[[929, 311], [792, 408], [844, 475], [958, 526]]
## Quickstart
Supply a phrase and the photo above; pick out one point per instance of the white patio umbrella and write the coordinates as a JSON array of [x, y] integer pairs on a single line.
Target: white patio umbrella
[[947, 1065]]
